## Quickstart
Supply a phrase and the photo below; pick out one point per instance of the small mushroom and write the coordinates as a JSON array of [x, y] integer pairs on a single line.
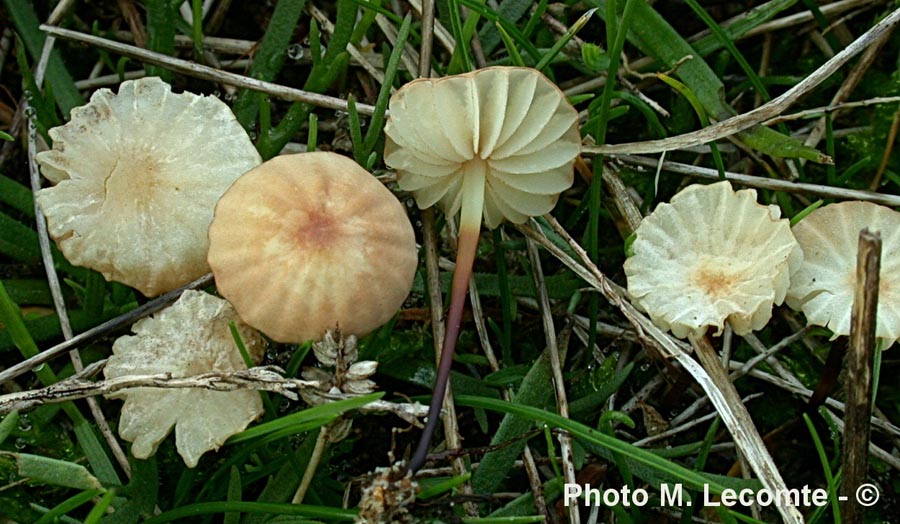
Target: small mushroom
[[137, 176], [307, 241], [500, 144], [824, 286], [188, 338], [712, 255]]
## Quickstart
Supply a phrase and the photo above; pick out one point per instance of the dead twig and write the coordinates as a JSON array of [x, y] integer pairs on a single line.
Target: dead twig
[[854, 456]]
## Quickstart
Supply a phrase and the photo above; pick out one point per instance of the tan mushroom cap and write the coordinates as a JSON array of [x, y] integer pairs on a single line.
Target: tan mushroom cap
[[712, 255], [188, 338], [824, 286], [510, 125], [137, 176], [307, 241]]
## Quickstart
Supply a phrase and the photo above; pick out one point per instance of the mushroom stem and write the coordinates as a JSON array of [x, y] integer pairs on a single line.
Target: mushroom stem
[[469, 228]]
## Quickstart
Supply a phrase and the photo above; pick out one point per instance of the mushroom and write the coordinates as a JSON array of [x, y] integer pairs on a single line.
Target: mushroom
[[307, 241], [188, 338], [712, 255], [137, 175], [495, 144], [823, 287]]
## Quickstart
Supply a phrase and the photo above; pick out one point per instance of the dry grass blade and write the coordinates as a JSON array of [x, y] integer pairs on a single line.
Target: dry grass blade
[[559, 385], [208, 73], [762, 113], [652, 336], [725, 398], [259, 379], [47, 255], [764, 183], [110, 325]]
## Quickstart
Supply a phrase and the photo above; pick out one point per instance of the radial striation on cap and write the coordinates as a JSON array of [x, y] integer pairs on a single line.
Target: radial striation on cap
[[712, 255], [309, 241], [137, 176]]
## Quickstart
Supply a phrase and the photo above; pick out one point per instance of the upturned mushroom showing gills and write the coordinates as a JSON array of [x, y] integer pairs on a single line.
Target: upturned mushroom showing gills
[[712, 255], [307, 242], [190, 337], [495, 144], [137, 176], [823, 287]]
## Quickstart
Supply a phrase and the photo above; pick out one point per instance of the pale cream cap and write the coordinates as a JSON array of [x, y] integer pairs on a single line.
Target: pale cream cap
[[137, 176], [824, 285], [711, 255], [190, 337], [512, 121]]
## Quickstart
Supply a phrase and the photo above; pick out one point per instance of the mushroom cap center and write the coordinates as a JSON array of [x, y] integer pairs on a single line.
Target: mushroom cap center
[[318, 229], [718, 277]]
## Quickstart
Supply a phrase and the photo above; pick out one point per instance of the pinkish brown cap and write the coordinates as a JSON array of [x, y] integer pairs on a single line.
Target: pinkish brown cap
[[308, 241]]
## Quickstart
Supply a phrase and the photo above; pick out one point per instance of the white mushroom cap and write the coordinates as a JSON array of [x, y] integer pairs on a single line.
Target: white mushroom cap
[[510, 125], [824, 285], [712, 255], [137, 176], [309, 241], [189, 338]]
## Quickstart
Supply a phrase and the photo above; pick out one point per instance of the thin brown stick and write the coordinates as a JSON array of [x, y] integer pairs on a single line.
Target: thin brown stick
[[426, 47], [854, 456], [258, 379], [888, 149], [559, 385], [47, 255]]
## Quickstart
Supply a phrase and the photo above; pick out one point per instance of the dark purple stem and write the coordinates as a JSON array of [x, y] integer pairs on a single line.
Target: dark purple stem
[[465, 257]]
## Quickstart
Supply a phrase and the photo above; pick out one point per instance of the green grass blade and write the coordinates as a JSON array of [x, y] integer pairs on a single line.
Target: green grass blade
[[323, 411], [748, 21], [161, 16], [56, 514], [99, 510], [511, 48], [26, 22], [726, 42], [510, 10], [270, 56], [443, 486], [461, 61], [16, 196], [533, 391], [216, 508], [564, 39], [384, 95], [9, 422], [690, 478], [53, 472]]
